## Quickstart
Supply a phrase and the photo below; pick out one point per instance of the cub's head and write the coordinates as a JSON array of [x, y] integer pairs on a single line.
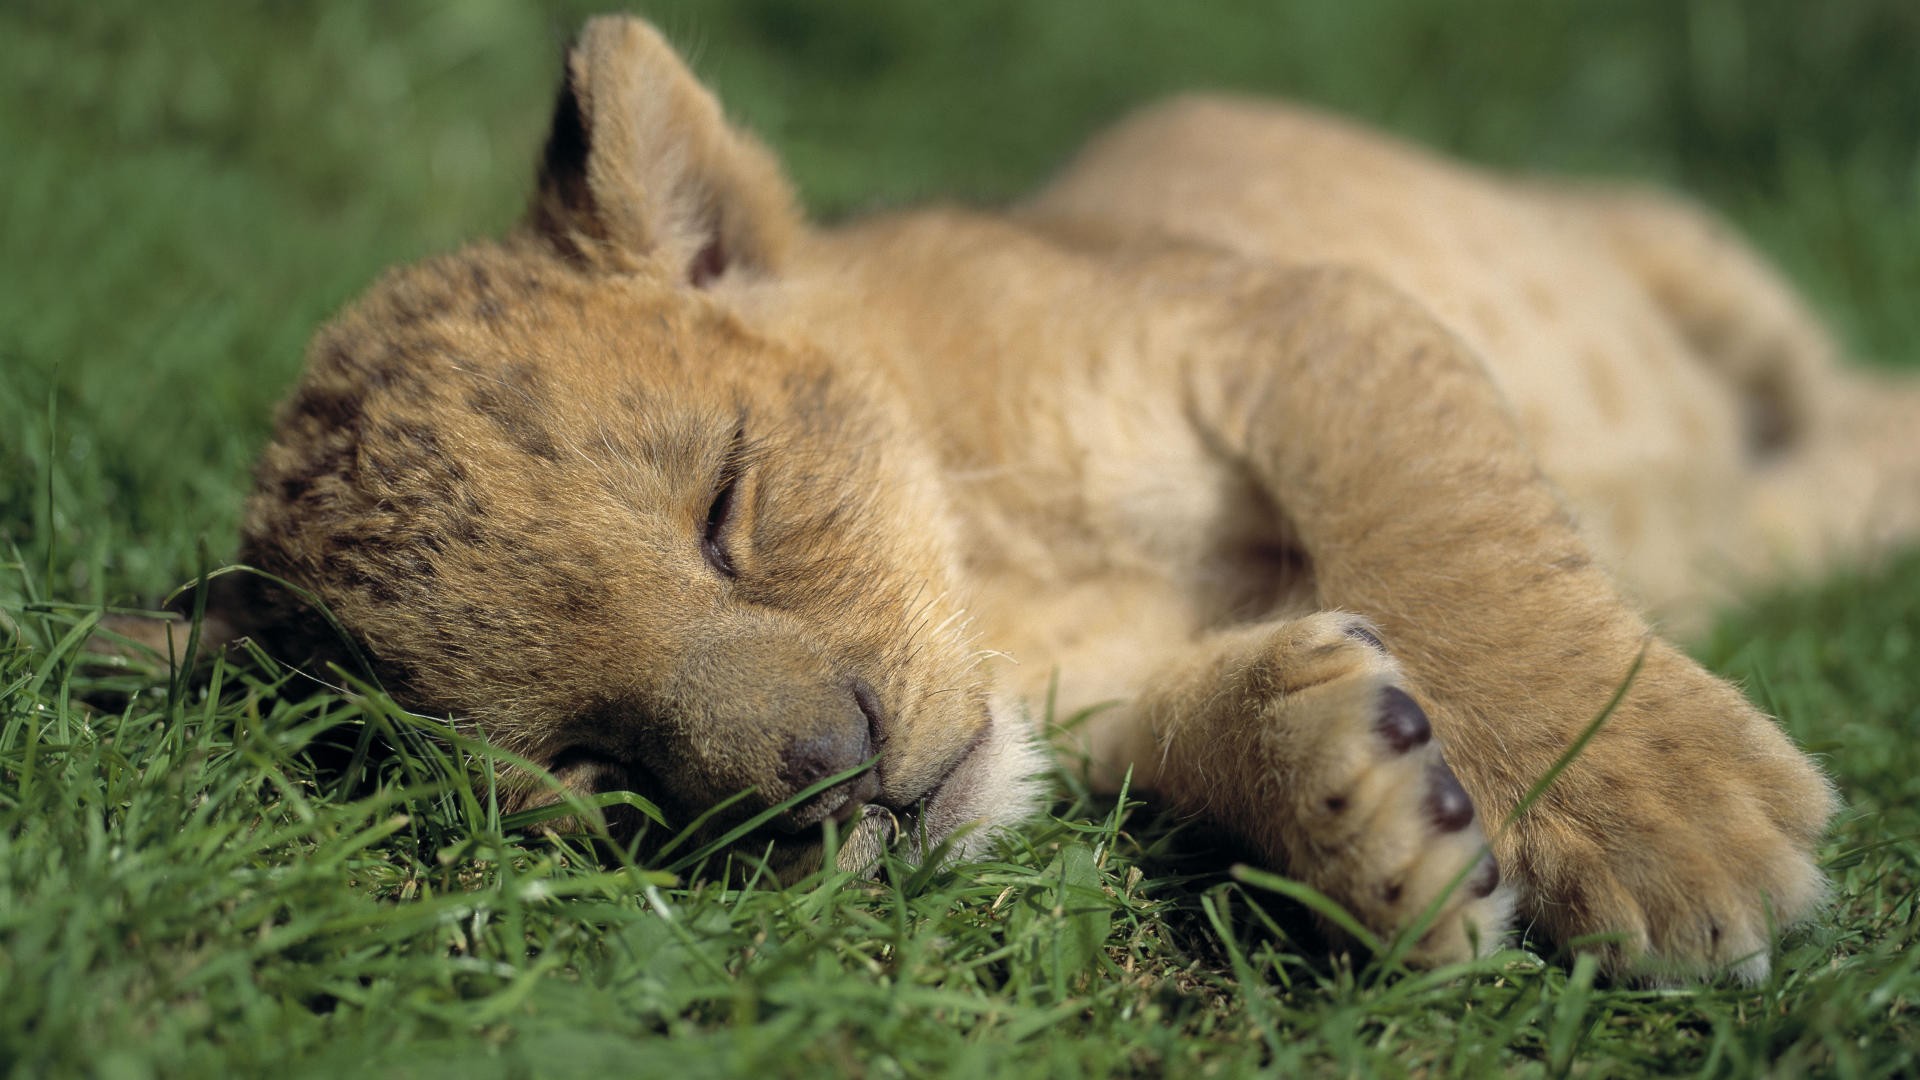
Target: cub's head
[[560, 492]]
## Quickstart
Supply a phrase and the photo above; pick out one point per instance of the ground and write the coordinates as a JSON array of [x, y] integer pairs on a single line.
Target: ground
[[190, 189]]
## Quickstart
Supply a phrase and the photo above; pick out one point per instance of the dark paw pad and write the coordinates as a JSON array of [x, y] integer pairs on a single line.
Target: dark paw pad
[[1485, 879], [1446, 803], [1401, 723]]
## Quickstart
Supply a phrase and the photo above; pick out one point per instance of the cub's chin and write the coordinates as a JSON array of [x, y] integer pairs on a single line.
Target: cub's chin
[[995, 785], [998, 783]]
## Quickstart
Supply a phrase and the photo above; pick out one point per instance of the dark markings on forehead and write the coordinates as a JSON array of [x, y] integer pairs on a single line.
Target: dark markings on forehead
[[401, 372], [418, 302], [334, 458], [486, 300], [472, 286], [515, 400], [690, 445], [329, 407], [447, 545], [669, 337], [332, 396], [397, 367], [416, 562], [382, 565], [573, 584], [809, 390], [406, 454], [416, 446], [633, 397], [817, 405]]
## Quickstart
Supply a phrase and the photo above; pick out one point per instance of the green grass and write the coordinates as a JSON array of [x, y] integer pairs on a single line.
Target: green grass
[[191, 187]]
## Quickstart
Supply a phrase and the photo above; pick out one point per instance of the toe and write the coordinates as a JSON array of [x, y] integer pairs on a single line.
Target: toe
[[1446, 802], [1485, 879], [1401, 722]]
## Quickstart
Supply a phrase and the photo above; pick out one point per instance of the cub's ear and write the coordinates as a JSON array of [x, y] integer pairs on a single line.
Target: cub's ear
[[643, 173]]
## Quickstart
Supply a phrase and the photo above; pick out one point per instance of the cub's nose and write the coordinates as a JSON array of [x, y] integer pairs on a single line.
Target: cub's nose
[[841, 742]]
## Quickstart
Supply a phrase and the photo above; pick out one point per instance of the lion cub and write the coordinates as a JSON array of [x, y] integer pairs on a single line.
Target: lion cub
[[1341, 478]]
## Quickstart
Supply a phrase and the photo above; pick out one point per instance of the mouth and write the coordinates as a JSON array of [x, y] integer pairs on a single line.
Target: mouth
[[917, 825], [868, 827]]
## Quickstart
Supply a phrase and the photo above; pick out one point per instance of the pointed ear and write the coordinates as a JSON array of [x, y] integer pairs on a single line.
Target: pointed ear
[[642, 172]]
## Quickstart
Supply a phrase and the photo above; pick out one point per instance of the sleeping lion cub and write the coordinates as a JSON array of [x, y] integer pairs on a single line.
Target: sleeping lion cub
[[1335, 484]]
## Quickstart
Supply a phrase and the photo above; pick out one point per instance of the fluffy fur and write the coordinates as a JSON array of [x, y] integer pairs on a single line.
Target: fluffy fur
[[1344, 478]]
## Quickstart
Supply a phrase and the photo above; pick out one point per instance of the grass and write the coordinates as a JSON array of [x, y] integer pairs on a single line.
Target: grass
[[190, 188]]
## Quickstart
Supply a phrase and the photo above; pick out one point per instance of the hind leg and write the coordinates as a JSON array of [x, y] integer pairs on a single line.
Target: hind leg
[[1835, 450], [1737, 315], [1848, 492]]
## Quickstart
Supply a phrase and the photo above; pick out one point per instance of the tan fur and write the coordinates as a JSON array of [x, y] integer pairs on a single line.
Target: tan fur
[[1246, 426]]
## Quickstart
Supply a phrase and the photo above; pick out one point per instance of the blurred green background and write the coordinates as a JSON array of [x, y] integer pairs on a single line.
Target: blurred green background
[[188, 188], [191, 187]]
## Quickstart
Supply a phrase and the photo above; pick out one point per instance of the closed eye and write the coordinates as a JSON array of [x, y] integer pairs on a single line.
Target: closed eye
[[714, 534], [713, 538]]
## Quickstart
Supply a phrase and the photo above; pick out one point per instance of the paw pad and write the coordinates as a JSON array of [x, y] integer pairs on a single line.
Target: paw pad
[[1446, 804], [1401, 722], [1484, 880]]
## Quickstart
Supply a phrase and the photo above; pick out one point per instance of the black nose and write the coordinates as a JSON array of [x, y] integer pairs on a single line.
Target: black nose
[[840, 743]]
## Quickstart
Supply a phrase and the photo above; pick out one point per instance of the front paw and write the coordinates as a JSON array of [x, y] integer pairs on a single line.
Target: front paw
[[1374, 816], [1681, 839]]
